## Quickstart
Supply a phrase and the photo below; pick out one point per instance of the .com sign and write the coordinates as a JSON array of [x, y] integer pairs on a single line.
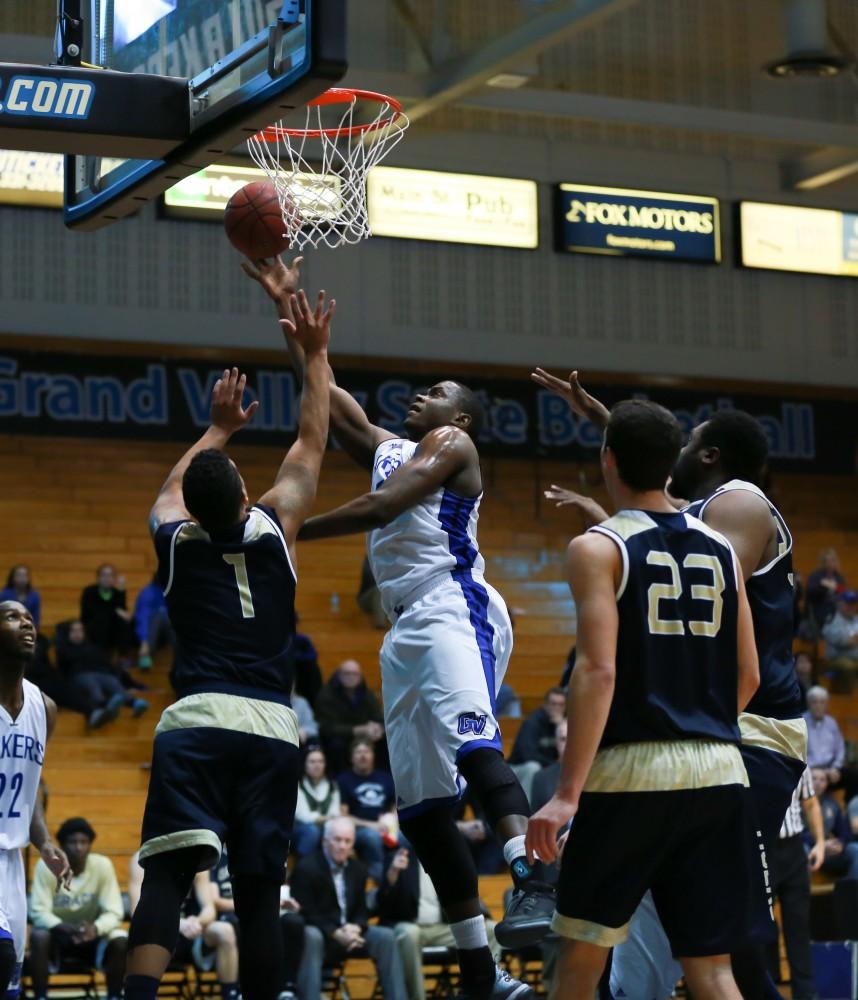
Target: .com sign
[[48, 98]]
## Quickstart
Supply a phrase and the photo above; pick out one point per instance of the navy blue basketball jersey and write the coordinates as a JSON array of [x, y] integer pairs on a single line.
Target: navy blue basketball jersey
[[770, 594], [231, 602], [677, 646]]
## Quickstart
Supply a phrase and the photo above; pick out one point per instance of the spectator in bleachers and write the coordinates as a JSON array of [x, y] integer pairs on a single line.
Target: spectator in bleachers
[[823, 586], [408, 903], [841, 633], [841, 852], [318, 801], [804, 675], [535, 745], [330, 887], [305, 662], [366, 795], [151, 623], [308, 728], [825, 745], [104, 613], [82, 922], [41, 672], [203, 941], [87, 668], [19, 587], [545, 782], [347, 710]]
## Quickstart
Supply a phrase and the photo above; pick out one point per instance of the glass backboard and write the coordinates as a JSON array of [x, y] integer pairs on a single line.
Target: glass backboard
[[247, 63]]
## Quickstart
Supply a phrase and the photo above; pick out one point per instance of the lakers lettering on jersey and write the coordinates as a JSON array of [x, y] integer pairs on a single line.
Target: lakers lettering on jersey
[[770, 592], [231, 602], [22, 754], [434, 537], [677, 659]]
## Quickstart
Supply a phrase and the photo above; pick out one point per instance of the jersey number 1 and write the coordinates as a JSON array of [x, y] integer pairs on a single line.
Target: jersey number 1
[[673, 591], [239, 564]]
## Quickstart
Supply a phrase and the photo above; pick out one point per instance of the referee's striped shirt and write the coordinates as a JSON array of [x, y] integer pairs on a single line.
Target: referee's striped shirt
[[793, 823]]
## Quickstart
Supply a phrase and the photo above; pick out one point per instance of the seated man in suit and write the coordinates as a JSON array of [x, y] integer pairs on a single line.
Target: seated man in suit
[[330, 886]]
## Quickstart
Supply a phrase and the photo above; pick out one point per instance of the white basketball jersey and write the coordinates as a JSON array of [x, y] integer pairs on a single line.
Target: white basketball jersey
[[434, 538], [22, 753]]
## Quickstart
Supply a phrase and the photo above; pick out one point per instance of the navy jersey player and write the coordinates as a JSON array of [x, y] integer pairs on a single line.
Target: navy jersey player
[[225, 763], [446, 652], [652, 771], [27, 718], [719, 470]]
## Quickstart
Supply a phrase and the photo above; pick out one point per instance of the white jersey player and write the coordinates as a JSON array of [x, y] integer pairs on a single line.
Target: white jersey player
[[447, 649], [26, 720]]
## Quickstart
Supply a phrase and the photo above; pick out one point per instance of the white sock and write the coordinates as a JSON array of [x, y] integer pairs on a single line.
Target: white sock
[[470, 933], [514, 848]]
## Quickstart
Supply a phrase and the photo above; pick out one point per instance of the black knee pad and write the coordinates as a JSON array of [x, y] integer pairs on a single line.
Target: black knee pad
[[444, 853], [495, 785], [8, 961], [167, 880]]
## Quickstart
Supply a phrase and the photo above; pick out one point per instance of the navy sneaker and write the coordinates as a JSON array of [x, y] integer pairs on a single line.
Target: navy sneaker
[[528, 917]]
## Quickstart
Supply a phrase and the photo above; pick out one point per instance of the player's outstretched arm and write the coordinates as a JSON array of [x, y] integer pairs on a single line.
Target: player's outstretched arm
[[227, 417], [442, 454], [749, 663], [591, 512], [576, 396], [593, 567], [349, 423], [294, 489]]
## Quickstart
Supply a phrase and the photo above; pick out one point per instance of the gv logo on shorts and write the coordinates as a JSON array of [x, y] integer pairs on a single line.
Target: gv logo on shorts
[[470, 722]]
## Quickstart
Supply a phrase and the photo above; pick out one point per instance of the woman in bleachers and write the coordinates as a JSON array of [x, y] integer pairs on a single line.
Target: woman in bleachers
[[318, 801], [19, 587]]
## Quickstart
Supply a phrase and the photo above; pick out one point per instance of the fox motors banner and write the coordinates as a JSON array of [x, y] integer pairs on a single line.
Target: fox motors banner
[[167, 399], [624, 222]]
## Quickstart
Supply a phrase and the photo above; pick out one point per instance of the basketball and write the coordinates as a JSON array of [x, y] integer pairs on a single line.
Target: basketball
[[254, 222]]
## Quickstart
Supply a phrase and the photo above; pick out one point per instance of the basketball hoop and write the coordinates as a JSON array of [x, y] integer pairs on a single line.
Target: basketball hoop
[[320, 170]]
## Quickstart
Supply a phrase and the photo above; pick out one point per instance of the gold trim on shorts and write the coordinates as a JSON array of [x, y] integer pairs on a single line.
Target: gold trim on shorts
[[234, 712], [585, 930], [666, 766], [784, 736], [184, 838]]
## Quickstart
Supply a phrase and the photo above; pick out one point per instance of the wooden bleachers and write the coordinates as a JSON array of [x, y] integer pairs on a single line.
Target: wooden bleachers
[[70, 504]]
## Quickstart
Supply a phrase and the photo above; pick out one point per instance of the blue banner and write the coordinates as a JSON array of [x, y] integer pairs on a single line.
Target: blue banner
[[625, 223]]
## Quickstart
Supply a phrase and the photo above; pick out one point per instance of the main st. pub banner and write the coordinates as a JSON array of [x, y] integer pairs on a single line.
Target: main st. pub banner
[[92, 395]]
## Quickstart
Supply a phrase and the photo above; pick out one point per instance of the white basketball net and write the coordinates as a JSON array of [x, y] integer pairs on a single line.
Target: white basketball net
[[320, 173]]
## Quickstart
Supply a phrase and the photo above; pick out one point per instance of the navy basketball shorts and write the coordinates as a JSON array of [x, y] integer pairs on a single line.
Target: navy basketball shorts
[[774, 752], [215, 785], [688, 846]]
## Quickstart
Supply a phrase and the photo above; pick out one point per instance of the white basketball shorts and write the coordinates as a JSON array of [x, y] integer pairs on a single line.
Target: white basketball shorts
[[441, 665], [13, 912]]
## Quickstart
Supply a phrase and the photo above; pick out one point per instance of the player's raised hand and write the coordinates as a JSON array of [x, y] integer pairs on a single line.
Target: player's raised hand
[[575, 394], [57, 862], [541, 843], [279, 280], [227, 413], [590, 511], [310, 327]]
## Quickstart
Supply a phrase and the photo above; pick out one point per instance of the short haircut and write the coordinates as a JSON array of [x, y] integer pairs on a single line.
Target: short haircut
[[212, 490], [555, 690], [77, 824], [741, 441], [361, 741], [645, 439], [469, 402], [817, 691], [334, 821]]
